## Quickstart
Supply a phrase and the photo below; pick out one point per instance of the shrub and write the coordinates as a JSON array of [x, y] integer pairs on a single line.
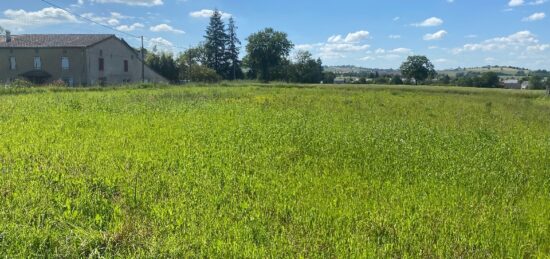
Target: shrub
[[396, 80], [204, 74], [20, 83], [59, 83]]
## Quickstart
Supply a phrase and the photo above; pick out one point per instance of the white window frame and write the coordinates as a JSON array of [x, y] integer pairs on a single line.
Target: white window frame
[[65, 63], [13, 63], [37, 63]]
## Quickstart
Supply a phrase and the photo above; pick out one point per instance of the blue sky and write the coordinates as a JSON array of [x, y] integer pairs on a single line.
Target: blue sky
[[381, 34]]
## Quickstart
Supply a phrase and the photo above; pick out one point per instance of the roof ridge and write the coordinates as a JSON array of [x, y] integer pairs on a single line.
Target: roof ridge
[[53, 40], [62, 34]]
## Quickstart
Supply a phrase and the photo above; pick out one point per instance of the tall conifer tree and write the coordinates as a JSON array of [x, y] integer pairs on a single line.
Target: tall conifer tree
[[215, 45], [233, 49]]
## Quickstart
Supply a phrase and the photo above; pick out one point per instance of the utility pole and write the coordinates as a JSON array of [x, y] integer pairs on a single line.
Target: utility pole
[[190, 63], [142, 62]]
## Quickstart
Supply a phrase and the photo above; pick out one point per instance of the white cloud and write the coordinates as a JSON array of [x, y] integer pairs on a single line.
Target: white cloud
[[539, 47], [514, 3], [20, 19], [161, 44], [131, 27], [401, 50], [165, 28], [538, 2], [131, 2], [112, 20], [430, 22], [307, 47], [517, 3], [534, 17], [393, 51], [352, 37], [383, 54], [435, 36], [207, 13], [367, 58], [520, 40], [356, 36], [337, 46], [394, 36], [343, 47], [352, 48], [335, 38]]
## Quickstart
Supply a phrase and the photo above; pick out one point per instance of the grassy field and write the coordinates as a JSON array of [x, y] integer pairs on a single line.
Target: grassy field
[[274, 171]]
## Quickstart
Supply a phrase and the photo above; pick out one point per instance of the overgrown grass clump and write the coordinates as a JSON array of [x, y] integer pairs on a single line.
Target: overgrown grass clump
[[274, 172]]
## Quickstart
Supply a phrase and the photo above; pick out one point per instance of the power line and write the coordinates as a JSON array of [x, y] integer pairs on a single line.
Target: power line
[[110, 27]]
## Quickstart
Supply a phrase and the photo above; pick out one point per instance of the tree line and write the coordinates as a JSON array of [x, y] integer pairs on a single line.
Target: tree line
[[218, 58], [420, 70], [268, 58]]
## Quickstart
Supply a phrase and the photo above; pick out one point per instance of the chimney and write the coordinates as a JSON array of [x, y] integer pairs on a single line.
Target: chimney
[[8, 36]]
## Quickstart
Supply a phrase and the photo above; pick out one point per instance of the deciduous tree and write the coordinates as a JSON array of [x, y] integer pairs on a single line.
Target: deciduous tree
[[418, 68], [266, 50], [306, 69], [164, 64], [535, 82]]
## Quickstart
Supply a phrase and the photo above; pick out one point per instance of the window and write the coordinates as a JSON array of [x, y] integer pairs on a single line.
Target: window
[[37, 63], [101, 64], [13, 65], [125, 65], [65, 63]]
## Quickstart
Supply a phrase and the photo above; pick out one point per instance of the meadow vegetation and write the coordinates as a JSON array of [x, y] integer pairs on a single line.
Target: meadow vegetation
[[274, 171]]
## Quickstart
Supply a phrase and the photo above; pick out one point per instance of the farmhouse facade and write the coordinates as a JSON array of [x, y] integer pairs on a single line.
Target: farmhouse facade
[[511, 84], [76, 59]]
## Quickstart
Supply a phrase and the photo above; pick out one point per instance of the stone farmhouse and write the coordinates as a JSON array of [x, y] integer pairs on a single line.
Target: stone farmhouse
[[77, 59]]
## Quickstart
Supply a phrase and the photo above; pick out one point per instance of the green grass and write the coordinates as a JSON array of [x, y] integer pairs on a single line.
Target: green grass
[[274, 171]]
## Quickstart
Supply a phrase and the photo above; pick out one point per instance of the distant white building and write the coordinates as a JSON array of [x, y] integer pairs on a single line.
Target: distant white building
[[339, 80], [525, 85], [511, 84]]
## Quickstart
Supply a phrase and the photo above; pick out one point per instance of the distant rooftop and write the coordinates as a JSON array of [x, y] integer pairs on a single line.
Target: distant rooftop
[[52, 40], [511, 81]]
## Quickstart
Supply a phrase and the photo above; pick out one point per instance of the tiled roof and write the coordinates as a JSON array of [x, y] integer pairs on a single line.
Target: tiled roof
[[52, 40]]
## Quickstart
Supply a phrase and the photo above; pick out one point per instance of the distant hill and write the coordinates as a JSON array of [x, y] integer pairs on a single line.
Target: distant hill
[[501, 70], [362, 71]]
